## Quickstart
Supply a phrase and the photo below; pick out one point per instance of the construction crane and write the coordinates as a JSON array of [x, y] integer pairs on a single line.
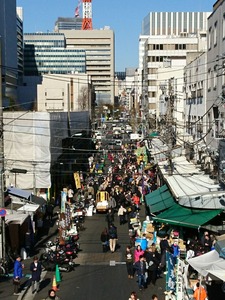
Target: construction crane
[[87, 15]]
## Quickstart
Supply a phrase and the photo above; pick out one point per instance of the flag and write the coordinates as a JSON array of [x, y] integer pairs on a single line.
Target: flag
[[77, 10], [77, 13]]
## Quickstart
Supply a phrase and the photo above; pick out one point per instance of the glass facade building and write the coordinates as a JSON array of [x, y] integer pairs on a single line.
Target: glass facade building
[[46, 53]]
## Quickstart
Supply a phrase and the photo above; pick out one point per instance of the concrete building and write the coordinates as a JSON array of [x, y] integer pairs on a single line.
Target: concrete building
[[46, 53], [170, 89], [71, 93], [166, 52], [195, 100], [174, 23], [215, 86], [166, 39], [100, 59]]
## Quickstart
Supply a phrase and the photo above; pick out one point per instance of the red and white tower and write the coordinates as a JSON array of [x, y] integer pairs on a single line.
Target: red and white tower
[[87, 15]]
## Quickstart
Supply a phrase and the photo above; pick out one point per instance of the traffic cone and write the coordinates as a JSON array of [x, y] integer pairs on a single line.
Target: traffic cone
[[54, 284], [57, 274]]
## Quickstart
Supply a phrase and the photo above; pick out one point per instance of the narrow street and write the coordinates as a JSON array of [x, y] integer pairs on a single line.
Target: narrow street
[[99, 275]]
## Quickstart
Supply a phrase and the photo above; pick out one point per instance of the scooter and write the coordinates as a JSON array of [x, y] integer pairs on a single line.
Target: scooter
[[50, 260]]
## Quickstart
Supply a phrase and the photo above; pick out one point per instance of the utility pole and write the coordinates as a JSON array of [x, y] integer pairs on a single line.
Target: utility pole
[[2, 200], [169, 123]]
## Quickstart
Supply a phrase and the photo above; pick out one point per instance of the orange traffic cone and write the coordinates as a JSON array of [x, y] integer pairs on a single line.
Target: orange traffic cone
[[54, 284]]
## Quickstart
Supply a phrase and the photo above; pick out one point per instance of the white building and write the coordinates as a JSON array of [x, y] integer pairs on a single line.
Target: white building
[[170, 88], [70, 92], [166, 52], [216, 75], [195, 101], [215, 88], [167, 38], [174, 23]]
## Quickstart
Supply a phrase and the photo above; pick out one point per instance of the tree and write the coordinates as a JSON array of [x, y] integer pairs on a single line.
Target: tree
[[83, 98]]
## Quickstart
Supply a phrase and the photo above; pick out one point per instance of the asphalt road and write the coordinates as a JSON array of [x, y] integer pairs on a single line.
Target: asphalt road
[[99, 275]]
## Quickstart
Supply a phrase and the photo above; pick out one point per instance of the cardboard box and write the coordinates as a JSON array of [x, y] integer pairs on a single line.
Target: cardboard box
[[150, 228], [149, 235]]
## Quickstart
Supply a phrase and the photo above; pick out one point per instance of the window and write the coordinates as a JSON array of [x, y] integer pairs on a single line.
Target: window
[[223, 26], [209, 79], [215, 78], [215, 34], [223, 76], [209, 38]]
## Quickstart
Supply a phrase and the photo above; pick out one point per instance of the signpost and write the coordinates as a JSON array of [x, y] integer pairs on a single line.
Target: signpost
[[2, 212]]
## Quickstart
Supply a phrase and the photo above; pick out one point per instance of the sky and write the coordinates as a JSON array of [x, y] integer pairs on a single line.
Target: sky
[[124, 17]]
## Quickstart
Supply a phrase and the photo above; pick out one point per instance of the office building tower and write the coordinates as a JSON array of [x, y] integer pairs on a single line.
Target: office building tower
[[174, 23], [8, 44], [100, 59], [46, 53], [68, 23]]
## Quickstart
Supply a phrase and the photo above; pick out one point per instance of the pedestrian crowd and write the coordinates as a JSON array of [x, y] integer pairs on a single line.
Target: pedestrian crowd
[[128, 180]]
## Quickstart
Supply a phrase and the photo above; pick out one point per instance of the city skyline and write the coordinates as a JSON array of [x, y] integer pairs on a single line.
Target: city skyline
[[125, 20]]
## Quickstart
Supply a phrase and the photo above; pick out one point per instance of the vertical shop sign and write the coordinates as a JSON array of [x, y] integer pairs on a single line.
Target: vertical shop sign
[[63, 202], [170, 275], [77, 180]]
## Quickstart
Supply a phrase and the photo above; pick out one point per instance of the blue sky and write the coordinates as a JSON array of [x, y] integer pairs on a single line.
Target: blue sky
[[123, 16]]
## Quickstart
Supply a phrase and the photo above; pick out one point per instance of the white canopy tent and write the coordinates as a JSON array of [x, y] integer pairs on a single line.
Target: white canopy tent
[[191, 187], [209, 264]]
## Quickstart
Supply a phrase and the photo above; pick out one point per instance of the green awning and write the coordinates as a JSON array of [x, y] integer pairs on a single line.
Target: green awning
[[187, 217], [159, 199]]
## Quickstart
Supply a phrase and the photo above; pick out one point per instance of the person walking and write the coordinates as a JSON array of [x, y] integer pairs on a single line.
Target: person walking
[[164, 246], [52, 295], [154, 297], [17, 274], [129, 262], [112, 237], [112, 203], [153, 263], [121, 214], [137, 252], [141, 268], [35, 268], [105, 240], [109, 217], [200, 292], [175, 251], [133, 296]]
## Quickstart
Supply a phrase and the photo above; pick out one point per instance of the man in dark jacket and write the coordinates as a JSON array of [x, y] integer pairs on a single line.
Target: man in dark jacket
[[153, 263], [35, 268], [109, 217], [112, 237], [141, 268]]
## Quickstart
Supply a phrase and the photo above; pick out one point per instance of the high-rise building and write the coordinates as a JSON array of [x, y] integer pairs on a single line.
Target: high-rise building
[[19, 11], [166, 40], [174, 23], [8, 44], [68, 23], [46, 53], [100, 58]]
